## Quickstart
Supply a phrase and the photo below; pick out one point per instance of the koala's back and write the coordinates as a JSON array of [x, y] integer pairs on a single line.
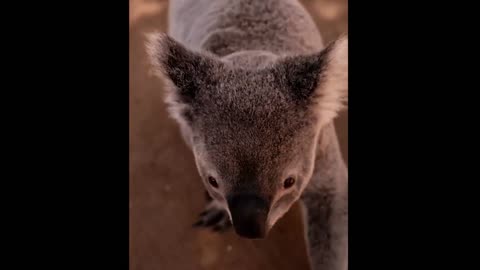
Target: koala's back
[[223, 27]]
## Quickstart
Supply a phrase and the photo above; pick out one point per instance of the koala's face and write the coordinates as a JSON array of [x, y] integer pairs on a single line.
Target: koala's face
[[253, 132]]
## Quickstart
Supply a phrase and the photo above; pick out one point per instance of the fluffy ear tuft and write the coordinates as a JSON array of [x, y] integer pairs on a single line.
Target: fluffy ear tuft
[[187, 70], [156, 48], [321, 78], [185, 73], [333, 87]]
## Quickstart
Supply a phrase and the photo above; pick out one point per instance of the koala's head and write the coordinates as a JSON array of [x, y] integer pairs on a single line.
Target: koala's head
[[253, 131]]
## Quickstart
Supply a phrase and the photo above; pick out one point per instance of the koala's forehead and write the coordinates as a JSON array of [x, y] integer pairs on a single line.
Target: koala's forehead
[[260, 136], [239, 87], [249, 112], [243, 100], [252, 102]]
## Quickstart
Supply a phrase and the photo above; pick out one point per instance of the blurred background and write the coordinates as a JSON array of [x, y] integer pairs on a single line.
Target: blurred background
[[166, 194]]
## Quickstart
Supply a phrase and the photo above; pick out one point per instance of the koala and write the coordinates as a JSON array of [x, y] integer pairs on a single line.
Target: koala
[[254, 91]]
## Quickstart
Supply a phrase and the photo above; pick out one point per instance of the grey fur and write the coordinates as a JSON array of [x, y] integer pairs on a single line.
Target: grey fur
[[255, 92]]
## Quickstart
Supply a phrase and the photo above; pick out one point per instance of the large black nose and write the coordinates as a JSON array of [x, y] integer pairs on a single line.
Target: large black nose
[[249, 215]]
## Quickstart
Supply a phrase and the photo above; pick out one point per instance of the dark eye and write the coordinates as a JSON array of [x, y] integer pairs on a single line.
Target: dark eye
[[289, 182], [212, 182]]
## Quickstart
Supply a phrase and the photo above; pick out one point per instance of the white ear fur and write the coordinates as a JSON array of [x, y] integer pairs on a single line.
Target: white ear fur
[[333, 89], [155, 45], [157, 50]]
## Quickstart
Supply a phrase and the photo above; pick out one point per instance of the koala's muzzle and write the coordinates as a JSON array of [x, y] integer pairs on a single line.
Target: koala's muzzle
[[249, 215]]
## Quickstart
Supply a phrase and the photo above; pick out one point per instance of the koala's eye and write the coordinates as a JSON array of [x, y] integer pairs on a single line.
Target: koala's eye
[[288, 183], [212, 181]]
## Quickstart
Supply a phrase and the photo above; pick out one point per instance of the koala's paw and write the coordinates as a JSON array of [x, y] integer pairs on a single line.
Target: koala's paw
[[214, 217]]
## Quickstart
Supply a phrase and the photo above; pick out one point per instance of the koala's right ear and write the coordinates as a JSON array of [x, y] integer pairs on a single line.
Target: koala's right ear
[[187, 70], [321, 77]]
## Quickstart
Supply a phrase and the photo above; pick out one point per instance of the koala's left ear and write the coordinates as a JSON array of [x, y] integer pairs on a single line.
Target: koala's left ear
[[189, 71], [320, 77]]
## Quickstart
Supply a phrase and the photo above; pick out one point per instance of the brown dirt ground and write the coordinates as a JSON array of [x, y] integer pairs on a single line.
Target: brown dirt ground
[[166, 194]]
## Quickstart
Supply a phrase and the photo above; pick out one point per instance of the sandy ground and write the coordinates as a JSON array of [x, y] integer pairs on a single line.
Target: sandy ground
[[166, 194]]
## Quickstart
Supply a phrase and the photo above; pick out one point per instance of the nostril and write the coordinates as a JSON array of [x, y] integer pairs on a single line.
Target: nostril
[[288, 183]]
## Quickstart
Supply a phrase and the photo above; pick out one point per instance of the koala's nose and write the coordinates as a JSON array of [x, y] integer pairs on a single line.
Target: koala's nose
[[249, 215]]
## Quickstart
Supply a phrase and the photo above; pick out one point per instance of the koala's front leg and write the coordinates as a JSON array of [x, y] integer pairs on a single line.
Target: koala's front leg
[[214, 216], [325, 213]]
